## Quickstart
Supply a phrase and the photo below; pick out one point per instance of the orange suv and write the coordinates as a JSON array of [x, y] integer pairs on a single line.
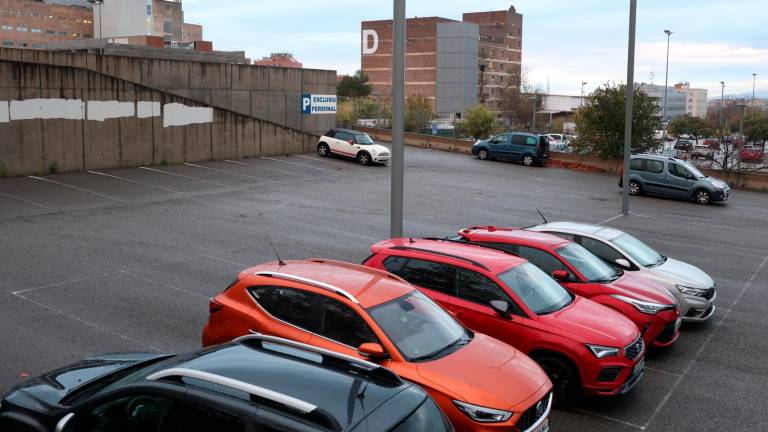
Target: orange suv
[[481, 384]]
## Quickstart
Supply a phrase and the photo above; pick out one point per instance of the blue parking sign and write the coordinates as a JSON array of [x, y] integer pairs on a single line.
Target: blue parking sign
[[306, 104]]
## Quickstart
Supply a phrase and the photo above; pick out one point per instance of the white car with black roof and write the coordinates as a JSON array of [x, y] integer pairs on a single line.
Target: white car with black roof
[[352, 144]]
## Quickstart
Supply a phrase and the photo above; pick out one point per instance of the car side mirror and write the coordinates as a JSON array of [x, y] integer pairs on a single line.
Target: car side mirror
[[501, 307], [560, 275], [623, 263], [63, 422], [371, 350]]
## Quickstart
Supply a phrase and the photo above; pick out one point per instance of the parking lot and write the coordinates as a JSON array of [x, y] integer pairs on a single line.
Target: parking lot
[[125, 259]]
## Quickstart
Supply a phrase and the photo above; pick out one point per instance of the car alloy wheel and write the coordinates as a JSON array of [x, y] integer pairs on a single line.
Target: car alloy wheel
[[565, 384], [323, 150], [528, 160], [634, 188], [363, 158], [702, 197], [483, 154]]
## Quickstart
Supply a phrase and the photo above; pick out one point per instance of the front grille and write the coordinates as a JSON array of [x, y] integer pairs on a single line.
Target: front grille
[[609, 374], [633, 350], [709, 293], [384, 154], [667, 334], [533, 414]]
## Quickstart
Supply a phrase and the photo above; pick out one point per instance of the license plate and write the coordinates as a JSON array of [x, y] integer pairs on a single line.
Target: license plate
[[544, 426], [638, 367]]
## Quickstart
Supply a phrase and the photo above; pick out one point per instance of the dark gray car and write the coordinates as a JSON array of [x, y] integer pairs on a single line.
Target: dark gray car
[[662, 175]]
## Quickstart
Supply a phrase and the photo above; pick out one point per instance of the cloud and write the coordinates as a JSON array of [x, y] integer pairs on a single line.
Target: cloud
[[703, 53]]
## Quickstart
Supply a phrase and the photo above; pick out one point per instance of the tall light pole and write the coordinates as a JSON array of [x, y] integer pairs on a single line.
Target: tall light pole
[[666, 78], [583, 83], [533, 113], [754, 80], [722, 106], [630, 105], [398, 119]]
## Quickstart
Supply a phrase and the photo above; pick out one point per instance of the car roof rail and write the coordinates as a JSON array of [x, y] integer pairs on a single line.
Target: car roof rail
[[360, 267], [445, 254], [330, 358], [314, 283], [496, 248]]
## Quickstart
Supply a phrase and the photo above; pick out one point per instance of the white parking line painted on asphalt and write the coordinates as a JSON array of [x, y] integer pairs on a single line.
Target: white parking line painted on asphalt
[[328, 160], [663, 371], [25, 201], [183, 176], [224, 260], [225, 172], [704, 345], [610, 219], [292, 163], [76, 188], [605, 417], [263, 167], [133, 181], [192, 293]]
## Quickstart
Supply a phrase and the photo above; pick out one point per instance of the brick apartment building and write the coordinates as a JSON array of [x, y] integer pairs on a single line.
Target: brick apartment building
[[455, 64], [285, 60], [159, 18], [33, 24]]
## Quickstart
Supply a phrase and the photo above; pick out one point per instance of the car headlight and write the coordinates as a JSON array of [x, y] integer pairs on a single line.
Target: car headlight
[[603, 351], [698, 292], [717, 183], [482, 414], [645, 307]]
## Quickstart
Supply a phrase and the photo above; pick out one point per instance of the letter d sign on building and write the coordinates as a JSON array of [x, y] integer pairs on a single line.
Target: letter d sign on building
[[370, 41]]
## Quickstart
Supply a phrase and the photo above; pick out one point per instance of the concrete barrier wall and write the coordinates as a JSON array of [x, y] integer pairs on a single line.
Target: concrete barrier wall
[[267, 93], [749, 181], [60, 118]]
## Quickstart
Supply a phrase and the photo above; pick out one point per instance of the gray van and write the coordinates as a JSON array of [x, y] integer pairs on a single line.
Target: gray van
[[663, 175]]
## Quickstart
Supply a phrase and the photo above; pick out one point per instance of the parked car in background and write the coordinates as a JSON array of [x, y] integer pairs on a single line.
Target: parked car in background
[[693, 289], [684, 145], [661, 175], [751, 154], [480, 383], [702, 151], [653, 310], [528, 148], [352, 144], [584, 347], [256, 383]]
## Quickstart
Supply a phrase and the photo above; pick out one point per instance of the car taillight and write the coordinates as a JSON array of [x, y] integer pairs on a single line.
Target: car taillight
[[214, 306]]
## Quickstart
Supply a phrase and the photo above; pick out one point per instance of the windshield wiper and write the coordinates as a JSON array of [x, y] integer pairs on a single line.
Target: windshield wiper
[[461, 341], [662, 259]]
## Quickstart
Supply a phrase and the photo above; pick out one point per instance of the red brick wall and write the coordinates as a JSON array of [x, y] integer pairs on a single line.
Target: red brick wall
[[43, 22]]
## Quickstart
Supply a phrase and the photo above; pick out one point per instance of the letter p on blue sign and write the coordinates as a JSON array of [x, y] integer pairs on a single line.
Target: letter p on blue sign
[[306, 104]]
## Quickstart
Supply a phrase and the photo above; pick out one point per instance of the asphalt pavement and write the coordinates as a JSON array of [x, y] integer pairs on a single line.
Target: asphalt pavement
[[125, 260]]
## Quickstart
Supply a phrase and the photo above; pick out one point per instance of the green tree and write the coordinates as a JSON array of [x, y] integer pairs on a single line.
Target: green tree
[[479, 123], [601, 122], [757, 130], [418, 114], [354, 86], [688, 125]]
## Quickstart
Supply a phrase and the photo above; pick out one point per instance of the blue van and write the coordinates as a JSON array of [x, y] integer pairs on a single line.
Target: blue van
[[530, 149]]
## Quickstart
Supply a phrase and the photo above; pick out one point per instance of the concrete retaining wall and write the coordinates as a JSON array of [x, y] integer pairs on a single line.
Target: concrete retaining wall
[[53, 124], [267, 93]]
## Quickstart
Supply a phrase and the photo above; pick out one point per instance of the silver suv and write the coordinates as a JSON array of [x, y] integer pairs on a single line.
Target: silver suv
[[663, 175]]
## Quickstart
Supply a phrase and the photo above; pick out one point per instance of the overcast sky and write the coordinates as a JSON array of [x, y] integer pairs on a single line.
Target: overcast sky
[[565, 41]]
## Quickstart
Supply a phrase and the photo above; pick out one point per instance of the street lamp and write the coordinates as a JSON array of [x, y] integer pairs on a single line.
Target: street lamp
[[630, 105], [754, 80], [666, 79], [533, 113], [398, 118], [583, 83], [722, 106]]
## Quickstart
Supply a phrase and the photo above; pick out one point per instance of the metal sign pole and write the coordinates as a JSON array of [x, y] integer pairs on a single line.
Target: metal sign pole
[[630, 104], [398, 119]]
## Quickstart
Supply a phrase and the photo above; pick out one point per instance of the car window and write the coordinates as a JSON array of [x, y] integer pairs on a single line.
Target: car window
[[604, 251], [678, 170], [543, 260], [342, 324], [131, 413], [363, 139], [331, 133], [511, 248], [636, 164], [430, 275], [477, 288], [343, 136], [519, 139], [591, 267], [654, 166], [531, 141], [640, 251], [567, 236], [286, 304], [536, 289], [201, 418], [501, 139]]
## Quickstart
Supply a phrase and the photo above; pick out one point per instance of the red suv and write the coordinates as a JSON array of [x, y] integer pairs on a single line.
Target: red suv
[[579, 343], [651, 307]]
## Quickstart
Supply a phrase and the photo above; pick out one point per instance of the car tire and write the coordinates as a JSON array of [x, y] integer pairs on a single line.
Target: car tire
[[363, 158], [323, 150], [702, 197], [528, 160], [566, 384], [483, 154], [634, 188]]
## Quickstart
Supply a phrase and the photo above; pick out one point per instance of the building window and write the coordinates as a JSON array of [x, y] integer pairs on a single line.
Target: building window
[[7, 43], [6, 27], [21, 29], [36, 30], [63, 33], [50, 32]]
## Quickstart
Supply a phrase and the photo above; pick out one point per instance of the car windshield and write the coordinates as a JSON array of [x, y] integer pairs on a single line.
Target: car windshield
[[695, 171], [641, 252], [419, 328], [536, 289], [363, 139], [591, 267]]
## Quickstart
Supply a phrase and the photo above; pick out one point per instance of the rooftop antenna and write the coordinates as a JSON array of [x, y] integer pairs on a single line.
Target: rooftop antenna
[[542, 216], [274, 249]]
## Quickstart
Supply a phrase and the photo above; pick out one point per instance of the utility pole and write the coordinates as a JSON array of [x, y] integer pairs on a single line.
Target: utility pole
[[754, 80], [666, 79], [583, 83], [630, 105], [533, 113], [398, 119], [722, 107]]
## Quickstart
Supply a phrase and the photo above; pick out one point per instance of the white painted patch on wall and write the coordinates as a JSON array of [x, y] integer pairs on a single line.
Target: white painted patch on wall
[[103, 110], [5, 114], [176, 114], [33, 109], [148, 109]]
